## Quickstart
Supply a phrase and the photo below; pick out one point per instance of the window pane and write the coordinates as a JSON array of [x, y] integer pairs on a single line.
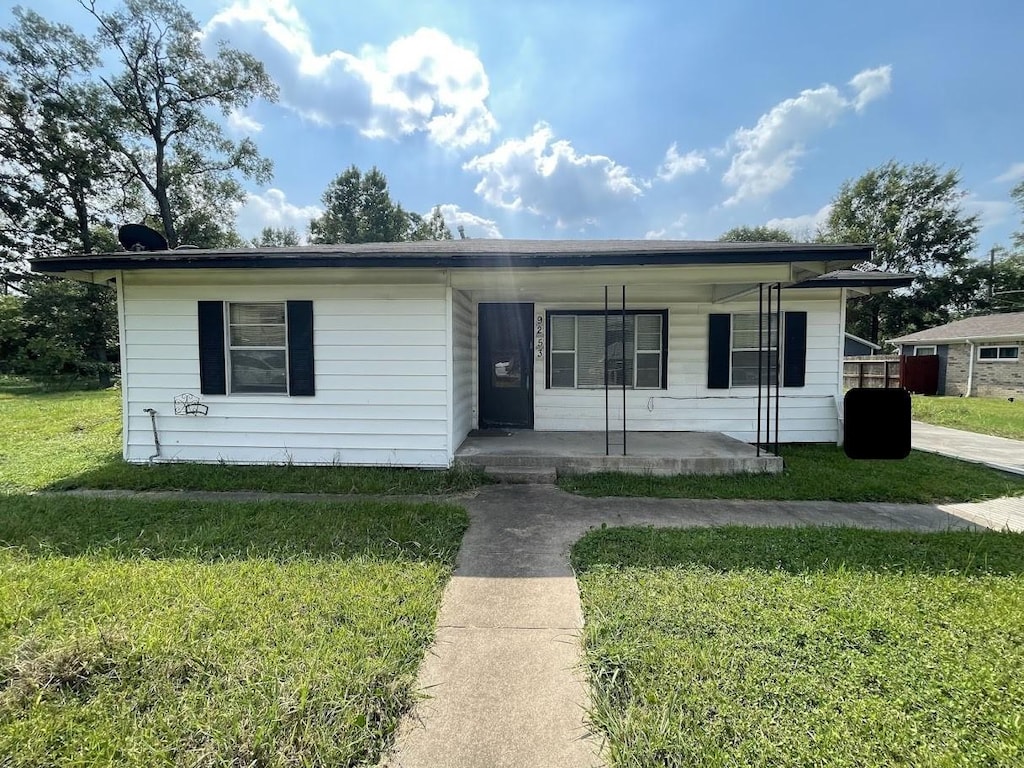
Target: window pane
[[258, 371], [563, 369], [257, 335], [987, 353], [745, 331], [563, 333], [258, 314], [590, 350], [648, 370], [648, 333], [744, 368], [1008, 353]]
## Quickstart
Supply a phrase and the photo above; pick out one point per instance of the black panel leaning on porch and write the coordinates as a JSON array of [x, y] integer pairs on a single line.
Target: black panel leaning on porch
[[876, 423], [212, 369]]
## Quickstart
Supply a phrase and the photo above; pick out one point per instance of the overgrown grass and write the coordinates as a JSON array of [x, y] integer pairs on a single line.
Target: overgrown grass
[[263, 634], [820, 472], [805, 647], [987, 416], [59, 439]]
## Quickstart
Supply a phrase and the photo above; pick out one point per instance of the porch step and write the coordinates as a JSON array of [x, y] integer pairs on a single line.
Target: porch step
[[522, 475]]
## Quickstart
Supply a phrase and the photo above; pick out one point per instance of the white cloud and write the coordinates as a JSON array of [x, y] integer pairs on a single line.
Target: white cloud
[[765, 156], [272, 209], [1014, 173], [675, 165], [674, 231], [871, 84], [803, 225], [989, 212], [475, 226], [239, 122], [423, 82], [547, 177]]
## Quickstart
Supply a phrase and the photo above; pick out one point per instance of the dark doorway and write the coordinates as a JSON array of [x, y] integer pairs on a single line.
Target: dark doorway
[[506, 366]]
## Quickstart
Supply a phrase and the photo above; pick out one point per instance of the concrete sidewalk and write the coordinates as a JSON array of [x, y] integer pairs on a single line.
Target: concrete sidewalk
[[996, 452], [503, 680]]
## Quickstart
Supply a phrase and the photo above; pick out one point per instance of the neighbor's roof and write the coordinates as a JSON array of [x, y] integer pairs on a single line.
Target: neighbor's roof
[[1008, 325], [468, 253]]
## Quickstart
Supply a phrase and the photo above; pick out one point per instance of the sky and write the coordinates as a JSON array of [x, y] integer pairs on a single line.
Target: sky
[[599, 119]]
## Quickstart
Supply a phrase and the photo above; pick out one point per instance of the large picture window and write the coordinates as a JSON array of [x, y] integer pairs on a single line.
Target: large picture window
[[635, 349], [748, 352], [257, 348]]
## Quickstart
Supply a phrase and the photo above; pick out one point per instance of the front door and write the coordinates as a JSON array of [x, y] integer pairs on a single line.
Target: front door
[[506, 366]]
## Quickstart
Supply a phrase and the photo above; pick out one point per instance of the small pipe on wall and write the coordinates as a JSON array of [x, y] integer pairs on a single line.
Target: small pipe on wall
[[156, 437]]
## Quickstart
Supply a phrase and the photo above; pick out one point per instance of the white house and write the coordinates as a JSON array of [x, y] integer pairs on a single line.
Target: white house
[[392, 353]]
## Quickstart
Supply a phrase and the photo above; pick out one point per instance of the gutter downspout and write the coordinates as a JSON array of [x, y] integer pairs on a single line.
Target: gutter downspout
[[970, 369]]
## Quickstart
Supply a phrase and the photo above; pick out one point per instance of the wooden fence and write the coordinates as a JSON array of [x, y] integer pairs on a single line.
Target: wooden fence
[[874, 372]]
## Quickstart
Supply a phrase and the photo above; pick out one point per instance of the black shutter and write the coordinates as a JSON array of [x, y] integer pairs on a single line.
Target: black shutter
[[300, 348], [212, 373], [719, 332], [794, 365]]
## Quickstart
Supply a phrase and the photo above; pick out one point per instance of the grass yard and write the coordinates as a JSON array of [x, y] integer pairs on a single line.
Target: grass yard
[[200, 634], [805, 647], [985, 415], [67, 439], [820, 472]]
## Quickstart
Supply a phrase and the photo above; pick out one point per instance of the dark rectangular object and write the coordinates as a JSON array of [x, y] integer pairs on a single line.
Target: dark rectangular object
[[505, 345], [876, 423], [212, 370], [920, 374], [300, 349], [719, 337], [794, 347]]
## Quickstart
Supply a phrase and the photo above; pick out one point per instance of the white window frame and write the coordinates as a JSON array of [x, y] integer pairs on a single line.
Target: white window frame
[[918, 348], [733, 349], [999, 358], [230, 348], [662, 316]]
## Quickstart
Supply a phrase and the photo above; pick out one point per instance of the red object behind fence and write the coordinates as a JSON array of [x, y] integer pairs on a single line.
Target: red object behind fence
[[920, 374]]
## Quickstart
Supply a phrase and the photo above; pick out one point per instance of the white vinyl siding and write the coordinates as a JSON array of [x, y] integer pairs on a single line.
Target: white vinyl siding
[[463, 367], [381, 375], [807, 414]]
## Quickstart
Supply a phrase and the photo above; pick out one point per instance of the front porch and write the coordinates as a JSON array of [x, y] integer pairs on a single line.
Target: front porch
[[655, 453]]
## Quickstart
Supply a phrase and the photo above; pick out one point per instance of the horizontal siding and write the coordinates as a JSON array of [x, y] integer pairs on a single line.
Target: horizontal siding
[[381, 379], [806, 414], [463, 342]]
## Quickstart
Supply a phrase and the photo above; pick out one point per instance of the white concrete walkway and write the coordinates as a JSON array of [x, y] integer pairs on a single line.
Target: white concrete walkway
[[995, 452]]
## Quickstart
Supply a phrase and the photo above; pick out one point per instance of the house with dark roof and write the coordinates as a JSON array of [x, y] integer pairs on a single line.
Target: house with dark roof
[[978, 356], [392, 353]]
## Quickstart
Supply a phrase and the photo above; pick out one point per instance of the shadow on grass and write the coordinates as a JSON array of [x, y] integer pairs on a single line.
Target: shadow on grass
[[114, 473], [210, 531], [804, 550]]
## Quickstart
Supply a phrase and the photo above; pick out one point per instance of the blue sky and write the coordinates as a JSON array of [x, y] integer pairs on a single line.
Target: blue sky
[[625, 120]]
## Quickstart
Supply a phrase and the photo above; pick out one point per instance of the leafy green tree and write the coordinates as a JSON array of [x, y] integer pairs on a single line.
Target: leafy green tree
[[757, 235], [271, 237], [912, 215], [1017, 193], [358, 209], [144, 90]]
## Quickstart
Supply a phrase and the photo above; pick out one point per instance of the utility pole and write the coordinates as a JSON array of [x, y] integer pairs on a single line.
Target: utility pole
[[991, 276]]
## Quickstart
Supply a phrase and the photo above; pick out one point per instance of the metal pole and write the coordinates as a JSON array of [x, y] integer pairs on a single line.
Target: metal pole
[[778, 343], [760, 341], [607, 425], [622, 346], [768, 373]]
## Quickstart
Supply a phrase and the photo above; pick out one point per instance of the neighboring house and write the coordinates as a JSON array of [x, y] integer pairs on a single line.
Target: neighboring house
[[855, 346], [390, 354], [977, 356]]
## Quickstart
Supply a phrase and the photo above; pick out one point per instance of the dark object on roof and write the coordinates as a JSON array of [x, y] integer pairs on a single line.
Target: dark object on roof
[[447, 254], [137, 237], [1008, 325]]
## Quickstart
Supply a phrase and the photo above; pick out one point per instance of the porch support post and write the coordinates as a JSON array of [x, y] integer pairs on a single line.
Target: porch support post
[[607, 425], [760, 344], [622, 346], [778, 360]]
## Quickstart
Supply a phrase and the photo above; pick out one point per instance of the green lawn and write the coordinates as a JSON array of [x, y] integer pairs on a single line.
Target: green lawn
[[805, 647], [820, 472], [198, 634], [68, 439], [986, 415]]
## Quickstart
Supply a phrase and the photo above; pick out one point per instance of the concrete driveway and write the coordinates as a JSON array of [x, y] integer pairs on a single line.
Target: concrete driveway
[[996, 452]]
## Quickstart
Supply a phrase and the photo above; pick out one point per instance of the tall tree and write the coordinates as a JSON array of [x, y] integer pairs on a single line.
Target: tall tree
[[272, 237], [1017, 193], [143, 88], [912, 216], [761, 234], [358, 209]]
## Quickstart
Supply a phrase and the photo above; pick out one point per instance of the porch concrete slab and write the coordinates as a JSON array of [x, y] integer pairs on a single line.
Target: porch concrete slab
[[996, 452], [657, 453]]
